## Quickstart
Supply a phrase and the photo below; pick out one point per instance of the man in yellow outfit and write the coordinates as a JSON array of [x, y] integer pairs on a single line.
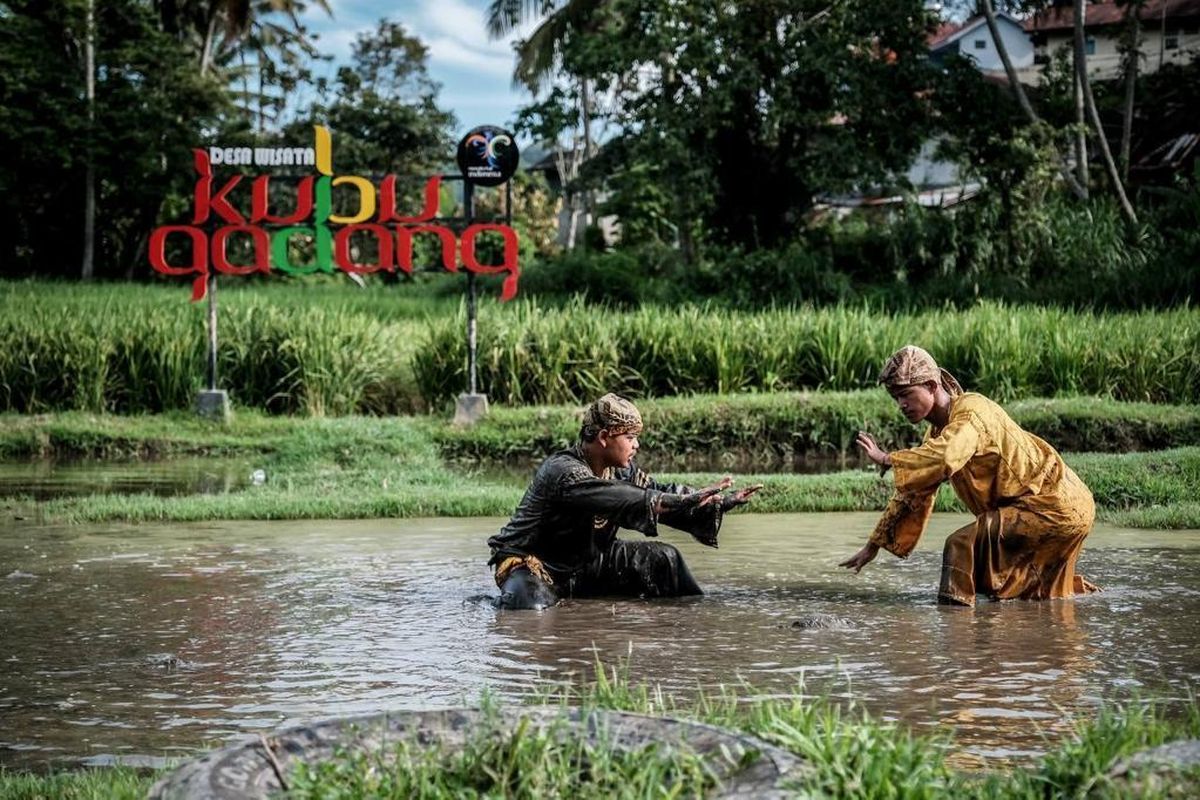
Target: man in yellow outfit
[[1032, 512]]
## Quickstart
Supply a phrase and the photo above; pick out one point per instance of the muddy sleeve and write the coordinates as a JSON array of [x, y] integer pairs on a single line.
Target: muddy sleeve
[[621, 503], [639, 477], [921, 469], [903, 521], [703, 523]]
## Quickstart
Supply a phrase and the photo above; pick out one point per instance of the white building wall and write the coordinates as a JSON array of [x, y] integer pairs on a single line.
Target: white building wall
[[978, 46], [1105, 60]]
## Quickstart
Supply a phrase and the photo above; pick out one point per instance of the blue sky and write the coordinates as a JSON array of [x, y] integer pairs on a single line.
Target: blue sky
[[475, 73]]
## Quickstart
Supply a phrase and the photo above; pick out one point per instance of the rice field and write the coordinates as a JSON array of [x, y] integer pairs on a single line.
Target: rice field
[[335, 349], [531, 354]]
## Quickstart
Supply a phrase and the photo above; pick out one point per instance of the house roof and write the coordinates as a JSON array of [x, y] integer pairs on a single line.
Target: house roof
[[949, 32], [944, 31], [1110, 13]]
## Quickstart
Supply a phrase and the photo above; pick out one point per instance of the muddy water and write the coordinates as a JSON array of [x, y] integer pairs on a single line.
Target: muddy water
[[151, 641]]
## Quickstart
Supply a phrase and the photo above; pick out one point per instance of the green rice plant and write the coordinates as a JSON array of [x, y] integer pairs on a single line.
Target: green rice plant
[[140, 348], [1003, 351], [136, 348]]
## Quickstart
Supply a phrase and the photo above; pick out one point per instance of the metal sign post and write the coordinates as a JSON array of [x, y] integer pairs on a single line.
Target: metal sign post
[[487, 156], [472, 374], [212, 402]]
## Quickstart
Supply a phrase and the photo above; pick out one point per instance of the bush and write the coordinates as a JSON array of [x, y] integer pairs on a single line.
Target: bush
[[615, 277], [795, 274]]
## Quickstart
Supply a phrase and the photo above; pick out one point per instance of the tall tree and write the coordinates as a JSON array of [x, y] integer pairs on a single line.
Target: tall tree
[[1081, 126], [151, 106], [383, 109], [89, 189], [538, 58], [746, 110], [1019, 94], [1089, 100], [1131, 53]]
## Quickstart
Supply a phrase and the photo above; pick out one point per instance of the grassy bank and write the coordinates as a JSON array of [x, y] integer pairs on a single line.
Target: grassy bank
[[847, 753], [778, 427], [329, 349], [755, 428], [356, 467]]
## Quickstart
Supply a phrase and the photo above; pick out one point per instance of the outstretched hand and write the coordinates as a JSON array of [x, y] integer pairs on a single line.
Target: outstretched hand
[[696, 499], [739, 497], [720, 485], [860, 559], [708, 496], [871, 450]]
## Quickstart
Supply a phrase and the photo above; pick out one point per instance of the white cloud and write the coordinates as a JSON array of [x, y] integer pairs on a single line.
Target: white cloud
[[446, 52], [475, 71]]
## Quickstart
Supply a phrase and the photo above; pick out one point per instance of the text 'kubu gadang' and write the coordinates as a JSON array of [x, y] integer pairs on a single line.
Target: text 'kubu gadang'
[[312, 218]]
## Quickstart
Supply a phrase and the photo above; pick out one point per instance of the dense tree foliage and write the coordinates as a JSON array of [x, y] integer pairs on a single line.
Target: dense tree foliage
[[711, 131], [730, 117], [171, 76], [152, 104]]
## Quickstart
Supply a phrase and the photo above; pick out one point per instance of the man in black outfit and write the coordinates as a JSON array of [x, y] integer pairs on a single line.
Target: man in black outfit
[[562, 539]]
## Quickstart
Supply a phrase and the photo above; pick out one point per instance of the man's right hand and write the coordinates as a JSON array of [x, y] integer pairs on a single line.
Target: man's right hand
[[866, 443], [860, 559]]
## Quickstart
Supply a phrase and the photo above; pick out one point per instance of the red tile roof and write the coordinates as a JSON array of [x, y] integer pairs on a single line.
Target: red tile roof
[[1109, 13], [945, 31]]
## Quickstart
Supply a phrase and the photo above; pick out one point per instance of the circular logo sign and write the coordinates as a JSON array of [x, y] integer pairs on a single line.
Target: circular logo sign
[[487, 155]]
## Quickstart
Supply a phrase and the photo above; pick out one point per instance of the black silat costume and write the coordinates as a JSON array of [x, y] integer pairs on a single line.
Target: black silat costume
[[567, 522]]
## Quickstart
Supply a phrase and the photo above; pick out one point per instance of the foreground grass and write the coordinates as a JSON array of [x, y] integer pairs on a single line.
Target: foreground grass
[[362, 467], [110, 783], [852, 754], [505, 758], [848, 753]]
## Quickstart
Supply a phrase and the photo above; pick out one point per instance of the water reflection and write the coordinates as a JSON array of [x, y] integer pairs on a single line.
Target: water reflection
[[46, 479], [154, 640]]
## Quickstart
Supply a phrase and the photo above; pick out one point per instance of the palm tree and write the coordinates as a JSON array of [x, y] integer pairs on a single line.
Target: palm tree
[[538, 55], [218, 27]]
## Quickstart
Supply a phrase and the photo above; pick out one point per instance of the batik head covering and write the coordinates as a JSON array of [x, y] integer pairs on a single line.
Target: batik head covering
[[911, 365], [613, 414]]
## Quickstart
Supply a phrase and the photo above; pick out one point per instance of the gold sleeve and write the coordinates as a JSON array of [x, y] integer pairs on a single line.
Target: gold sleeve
[[922, 468], [903, 521]]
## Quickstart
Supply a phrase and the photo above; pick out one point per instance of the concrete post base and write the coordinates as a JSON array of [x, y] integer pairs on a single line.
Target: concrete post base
[[213, 404], [470, 408]]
